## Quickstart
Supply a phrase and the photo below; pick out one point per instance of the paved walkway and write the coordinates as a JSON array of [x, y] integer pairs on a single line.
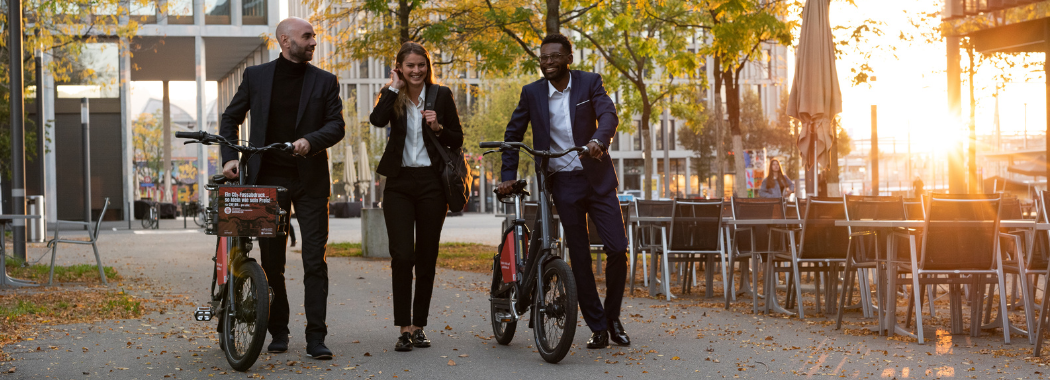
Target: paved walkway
[[678, 338]]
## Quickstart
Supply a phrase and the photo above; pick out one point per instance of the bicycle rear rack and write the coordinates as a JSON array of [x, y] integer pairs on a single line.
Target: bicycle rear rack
[[203, 314]]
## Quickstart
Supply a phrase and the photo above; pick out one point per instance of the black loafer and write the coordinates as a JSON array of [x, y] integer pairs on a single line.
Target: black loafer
[[404, 342], [278, 345], [599, 339], [617, 334], [419, 339], [318, 350]]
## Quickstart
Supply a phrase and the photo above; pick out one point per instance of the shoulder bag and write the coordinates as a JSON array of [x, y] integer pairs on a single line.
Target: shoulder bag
[[455, 173]]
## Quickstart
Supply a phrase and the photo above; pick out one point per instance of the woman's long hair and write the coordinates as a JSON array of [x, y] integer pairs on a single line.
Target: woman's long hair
[[402, 96], [781, 179]]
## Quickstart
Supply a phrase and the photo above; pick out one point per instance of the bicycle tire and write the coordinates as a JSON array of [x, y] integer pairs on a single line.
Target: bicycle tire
[[198, 217], [502, 331], [555, 318], [245, 330]]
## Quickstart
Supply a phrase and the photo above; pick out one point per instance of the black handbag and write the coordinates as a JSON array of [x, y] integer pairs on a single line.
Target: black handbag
[[455, 173]]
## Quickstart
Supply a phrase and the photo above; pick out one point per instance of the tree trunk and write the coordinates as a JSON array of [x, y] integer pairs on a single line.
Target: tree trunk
[[553, 20], [719, 133], [403, 11], [733, 108], [647, 151]]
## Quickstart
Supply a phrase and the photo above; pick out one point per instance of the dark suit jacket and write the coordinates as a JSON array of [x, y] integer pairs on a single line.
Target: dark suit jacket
[[383, 114], [320, 121], [593, 116]]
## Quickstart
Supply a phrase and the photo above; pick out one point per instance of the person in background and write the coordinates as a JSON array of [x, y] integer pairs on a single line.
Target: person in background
[[918, 185], [414, 202], [776, 184]]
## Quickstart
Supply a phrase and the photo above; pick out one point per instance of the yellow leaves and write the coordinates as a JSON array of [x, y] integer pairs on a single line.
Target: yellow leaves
[[451, 362]]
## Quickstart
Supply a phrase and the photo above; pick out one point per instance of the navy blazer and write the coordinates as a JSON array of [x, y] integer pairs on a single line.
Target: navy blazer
[[593, 116], [319, 121]]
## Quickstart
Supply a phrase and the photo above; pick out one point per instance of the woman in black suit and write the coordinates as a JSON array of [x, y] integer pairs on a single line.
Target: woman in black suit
[[414, 202]]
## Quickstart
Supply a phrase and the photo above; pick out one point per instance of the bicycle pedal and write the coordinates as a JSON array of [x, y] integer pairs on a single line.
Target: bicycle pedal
[[505, 316], [203, 314]]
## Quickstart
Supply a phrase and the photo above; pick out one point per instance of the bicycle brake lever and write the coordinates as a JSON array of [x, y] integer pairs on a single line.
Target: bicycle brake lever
[[490, 151]]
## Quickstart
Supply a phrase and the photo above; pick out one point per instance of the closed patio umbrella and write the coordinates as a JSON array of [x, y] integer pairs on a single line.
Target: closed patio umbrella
[[349, 171], [365, 174], [815, 97]]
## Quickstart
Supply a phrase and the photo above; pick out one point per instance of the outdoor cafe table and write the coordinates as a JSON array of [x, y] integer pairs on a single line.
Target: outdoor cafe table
[[5, 280], [888, 322]]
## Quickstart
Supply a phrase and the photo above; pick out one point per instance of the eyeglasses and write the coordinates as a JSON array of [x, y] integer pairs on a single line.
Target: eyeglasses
[[552, 57]]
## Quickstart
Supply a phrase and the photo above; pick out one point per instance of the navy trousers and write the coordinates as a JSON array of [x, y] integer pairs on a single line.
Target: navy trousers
[[575, 198]]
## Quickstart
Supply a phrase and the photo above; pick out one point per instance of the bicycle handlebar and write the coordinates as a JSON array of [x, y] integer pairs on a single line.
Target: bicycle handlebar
[[504, 145], [210, 139]]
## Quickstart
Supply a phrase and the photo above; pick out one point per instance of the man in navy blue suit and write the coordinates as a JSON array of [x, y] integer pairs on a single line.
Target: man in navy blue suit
[[570, 108]]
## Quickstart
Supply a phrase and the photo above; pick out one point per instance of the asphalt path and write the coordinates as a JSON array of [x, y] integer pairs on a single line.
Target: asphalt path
[[689, 337]]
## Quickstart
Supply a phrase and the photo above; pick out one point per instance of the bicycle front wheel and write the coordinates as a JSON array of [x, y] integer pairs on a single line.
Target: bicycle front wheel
[[246, 316], [199, 218], [555, 311]]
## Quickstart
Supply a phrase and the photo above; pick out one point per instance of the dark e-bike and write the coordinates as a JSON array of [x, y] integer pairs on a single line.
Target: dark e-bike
[[240, 296], [527, 271]]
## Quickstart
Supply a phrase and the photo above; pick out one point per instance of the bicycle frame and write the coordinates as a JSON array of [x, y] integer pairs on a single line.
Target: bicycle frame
[[538, 253]]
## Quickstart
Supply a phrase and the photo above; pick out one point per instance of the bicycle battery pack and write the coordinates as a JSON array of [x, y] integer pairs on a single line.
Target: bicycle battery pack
[[248, 211], [508, 257]]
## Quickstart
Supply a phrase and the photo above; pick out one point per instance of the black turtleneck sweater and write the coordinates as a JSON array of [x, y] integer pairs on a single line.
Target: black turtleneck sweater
[[284, 108]]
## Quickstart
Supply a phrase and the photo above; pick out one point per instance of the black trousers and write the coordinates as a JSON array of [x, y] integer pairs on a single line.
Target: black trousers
[[312, 214], [575, 198], [414, 206]]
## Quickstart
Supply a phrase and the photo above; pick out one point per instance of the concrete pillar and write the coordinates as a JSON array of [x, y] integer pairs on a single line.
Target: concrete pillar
[[1046, 70], [956, 168], [50, 180], [688, 176], [202, 112], [126, 139], [166, 131]]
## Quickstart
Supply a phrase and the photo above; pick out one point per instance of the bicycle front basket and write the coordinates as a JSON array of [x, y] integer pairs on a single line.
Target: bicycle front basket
[[248, 211]]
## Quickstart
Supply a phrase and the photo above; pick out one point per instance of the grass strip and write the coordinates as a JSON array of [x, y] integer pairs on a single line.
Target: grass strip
[[72, 273]]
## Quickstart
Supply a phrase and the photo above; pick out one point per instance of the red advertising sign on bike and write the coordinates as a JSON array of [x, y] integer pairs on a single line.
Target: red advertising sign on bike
[[247, 211]]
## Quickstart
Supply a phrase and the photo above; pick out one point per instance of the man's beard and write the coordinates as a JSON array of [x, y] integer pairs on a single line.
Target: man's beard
[[299, 52]]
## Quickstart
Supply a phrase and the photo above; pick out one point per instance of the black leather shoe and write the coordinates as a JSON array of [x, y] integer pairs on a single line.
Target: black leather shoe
[[599, 339], [318, 350], [404, 342], [278, 345], [617, 335], [419, 339]]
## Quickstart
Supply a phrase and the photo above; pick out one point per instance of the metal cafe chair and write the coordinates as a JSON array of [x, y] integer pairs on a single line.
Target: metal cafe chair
[[752, 243], [695, 232], [960, 238], [93, 230], [644, 234], [1028, 256], [819, 247], [863, 251], [914, 209]]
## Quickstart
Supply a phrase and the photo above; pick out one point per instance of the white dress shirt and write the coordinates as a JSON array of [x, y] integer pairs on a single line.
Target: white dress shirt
[[561, 129], [415, 153]]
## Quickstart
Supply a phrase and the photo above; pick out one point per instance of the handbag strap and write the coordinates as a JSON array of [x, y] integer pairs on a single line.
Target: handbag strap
[[428, 105]]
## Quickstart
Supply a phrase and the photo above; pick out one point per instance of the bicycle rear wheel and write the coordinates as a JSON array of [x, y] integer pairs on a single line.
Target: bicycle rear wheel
[[199, 217], [555, 312], [245, 328], [502, 331]]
